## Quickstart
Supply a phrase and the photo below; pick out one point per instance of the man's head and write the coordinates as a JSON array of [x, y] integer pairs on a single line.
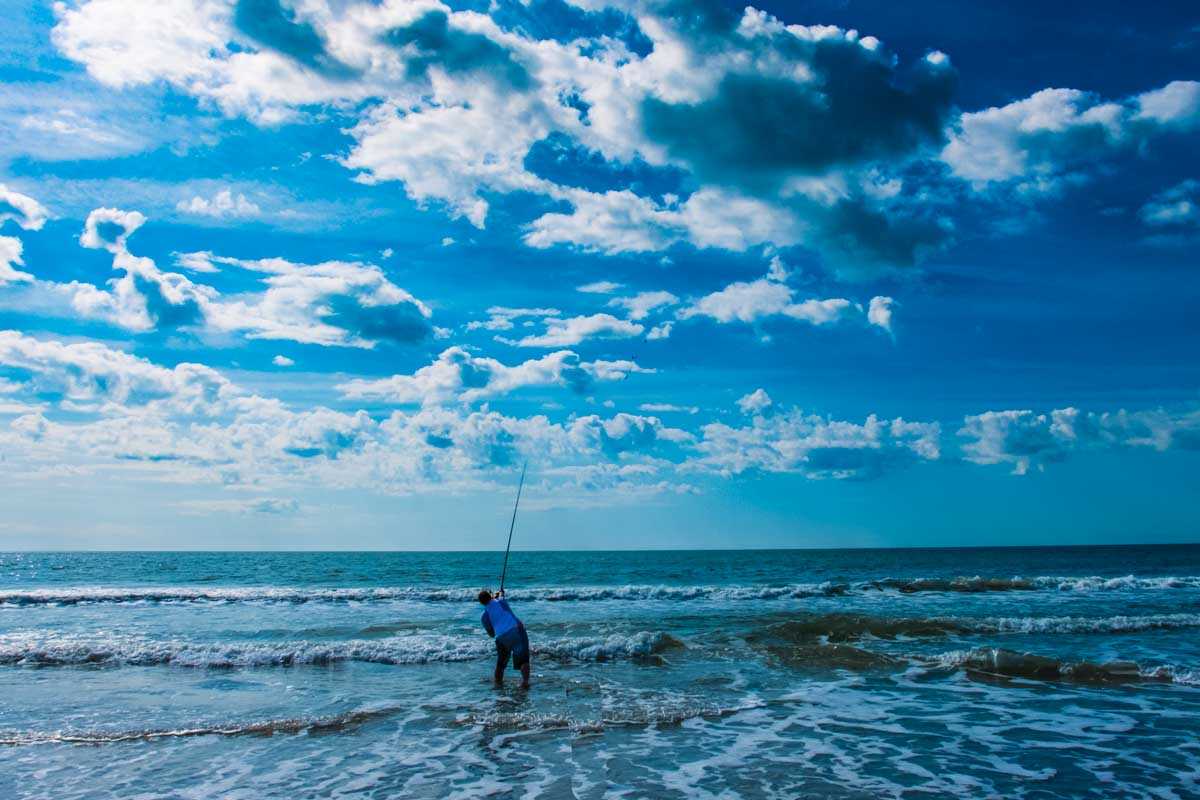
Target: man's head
[[485, 596]]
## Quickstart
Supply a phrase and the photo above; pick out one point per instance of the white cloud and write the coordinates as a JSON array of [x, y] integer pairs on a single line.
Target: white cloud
[[662, 331], [756, 402], [222, 205], [283, 361], [10, 258], [814, 446], [458, 375], [21, 209], [334, 303], [573, 330], [109, 228], [668, 408], [1025, 439], [258, 505], [879, 312], [640, 305], [1175, 208], [749, 302], [1037, 141], [599, 287], [500, 318]]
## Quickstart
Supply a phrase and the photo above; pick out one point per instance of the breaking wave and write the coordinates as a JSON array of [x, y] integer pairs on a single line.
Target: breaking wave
[[556, 594], [314, 725], [998, 662], [61, 651], [844, 627]]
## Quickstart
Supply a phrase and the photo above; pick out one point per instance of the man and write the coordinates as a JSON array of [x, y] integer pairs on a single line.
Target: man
[[502, 624]]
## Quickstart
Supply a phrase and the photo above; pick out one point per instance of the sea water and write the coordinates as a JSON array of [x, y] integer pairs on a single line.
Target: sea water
[[1051, 672]]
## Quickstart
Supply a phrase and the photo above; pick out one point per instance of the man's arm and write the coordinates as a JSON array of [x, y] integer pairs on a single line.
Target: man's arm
[[487, 625]]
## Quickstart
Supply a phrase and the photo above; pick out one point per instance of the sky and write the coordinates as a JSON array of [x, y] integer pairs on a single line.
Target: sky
[[324, 274]]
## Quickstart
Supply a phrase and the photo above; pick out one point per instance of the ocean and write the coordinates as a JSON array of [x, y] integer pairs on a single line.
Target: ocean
[[1039, 673]]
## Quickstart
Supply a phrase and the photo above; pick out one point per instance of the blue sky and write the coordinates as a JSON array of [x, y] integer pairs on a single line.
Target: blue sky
[[325, 273]]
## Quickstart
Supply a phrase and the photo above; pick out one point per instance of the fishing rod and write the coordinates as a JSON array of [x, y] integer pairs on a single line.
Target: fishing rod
[[512, 524]]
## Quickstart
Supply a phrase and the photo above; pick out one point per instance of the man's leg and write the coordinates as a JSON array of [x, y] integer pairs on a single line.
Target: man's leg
[[501, 663], [525, 654]]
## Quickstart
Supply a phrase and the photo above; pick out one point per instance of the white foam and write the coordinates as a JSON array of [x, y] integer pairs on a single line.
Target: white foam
[[40, 649]]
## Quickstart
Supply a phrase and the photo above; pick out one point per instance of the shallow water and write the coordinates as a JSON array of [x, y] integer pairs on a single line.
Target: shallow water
[[1058, 672]]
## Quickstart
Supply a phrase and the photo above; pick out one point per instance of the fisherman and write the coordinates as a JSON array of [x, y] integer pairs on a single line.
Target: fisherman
[[502, 624]]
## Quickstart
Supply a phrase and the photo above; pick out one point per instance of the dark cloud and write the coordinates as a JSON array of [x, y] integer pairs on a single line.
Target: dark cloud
[[563, 22], [162, 311], [271, 25], [402, 323], [757, 130], [457, 51], [857, 235]]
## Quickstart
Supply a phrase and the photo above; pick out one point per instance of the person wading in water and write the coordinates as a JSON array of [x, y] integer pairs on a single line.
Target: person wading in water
[[511, 640]]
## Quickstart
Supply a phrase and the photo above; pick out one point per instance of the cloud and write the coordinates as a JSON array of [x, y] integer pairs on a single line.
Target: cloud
[[223, 205], [599, 287], [781, 131], [662, 331], [640, 305], [879, 312], [109, 228], [331, 303], [1174, 214], [573, 330], [334, 303], [459, 376], [22, 209], [500, 318], [791, 441], [750, 302], [258, 505], [668, 408], [1025, 439], [89, 375], [10, 257], [1036, 143], [283, 361], [756, 402]]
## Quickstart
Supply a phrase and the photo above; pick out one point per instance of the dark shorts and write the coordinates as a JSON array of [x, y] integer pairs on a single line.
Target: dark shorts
[[514, 644]]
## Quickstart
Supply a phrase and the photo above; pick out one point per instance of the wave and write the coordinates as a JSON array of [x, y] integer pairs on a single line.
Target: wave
[[87, 595], [31, 650], [296, 595], [311, 725], [1001, 663], [844, 627], [631, 716], [979, 584]]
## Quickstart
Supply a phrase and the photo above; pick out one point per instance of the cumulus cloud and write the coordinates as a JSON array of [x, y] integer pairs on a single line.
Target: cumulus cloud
[[338, 303], [573, 330], [752, 301], [640, 305], [1036, 143], [1025, 439], [222, 205], [450, 104], [756, 402], [10, 257], [22, 209], [283, 361], [790, 440], [458, 375]]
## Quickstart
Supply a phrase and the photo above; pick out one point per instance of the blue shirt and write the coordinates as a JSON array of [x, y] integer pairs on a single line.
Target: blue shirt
[[498, 619]]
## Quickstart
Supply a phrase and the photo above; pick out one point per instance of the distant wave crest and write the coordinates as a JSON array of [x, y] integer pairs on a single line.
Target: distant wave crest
[[87, 595]]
